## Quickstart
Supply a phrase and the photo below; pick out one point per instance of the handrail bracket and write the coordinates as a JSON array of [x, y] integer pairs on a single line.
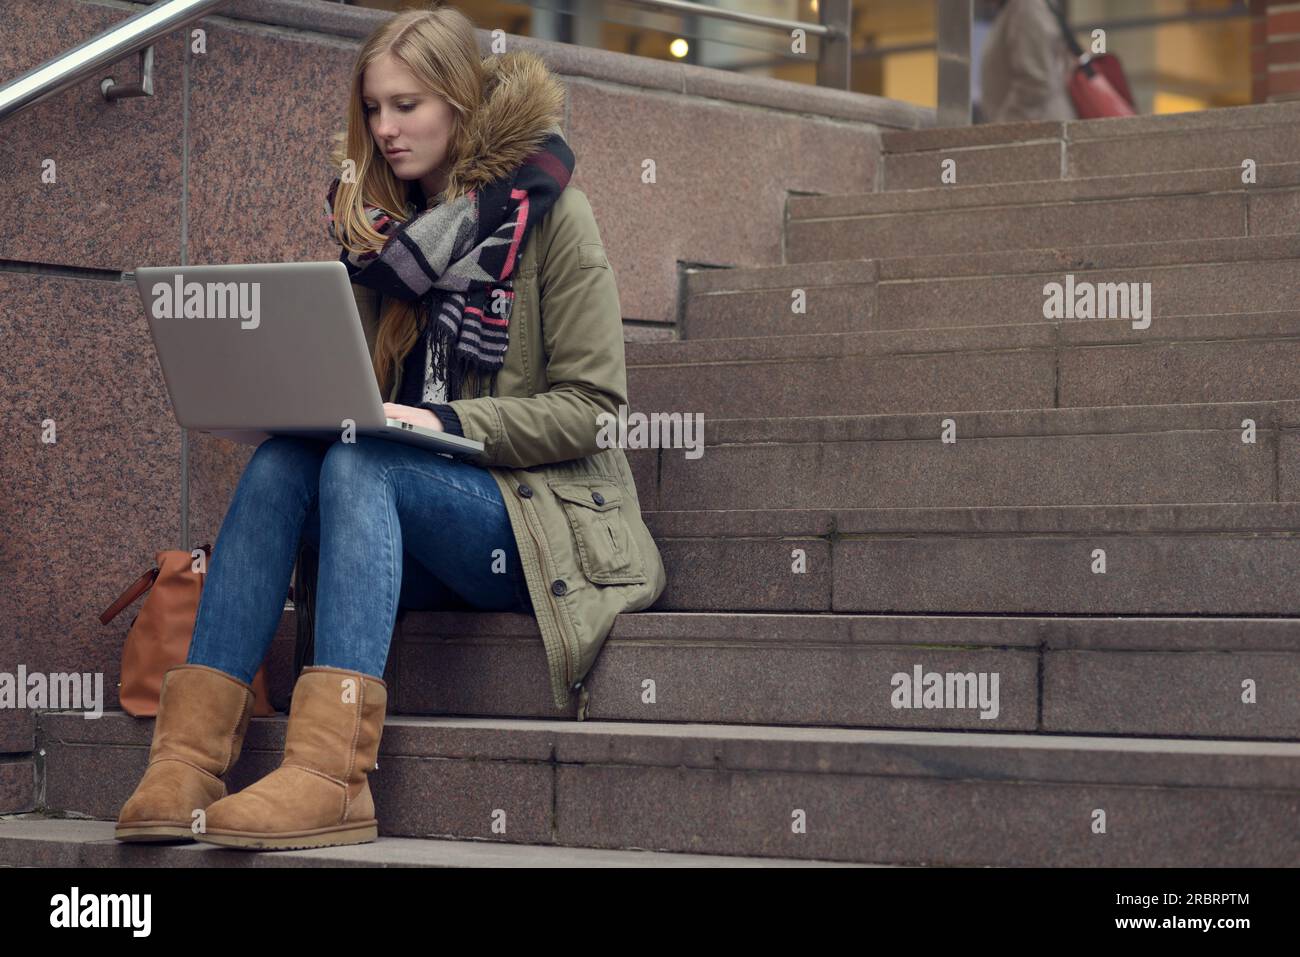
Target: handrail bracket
[[113, 90]]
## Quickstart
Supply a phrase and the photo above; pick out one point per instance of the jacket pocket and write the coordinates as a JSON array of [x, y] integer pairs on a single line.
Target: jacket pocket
[[604, 541]]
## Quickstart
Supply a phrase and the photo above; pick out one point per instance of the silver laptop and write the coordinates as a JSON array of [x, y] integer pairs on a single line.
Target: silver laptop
[[254, 350]]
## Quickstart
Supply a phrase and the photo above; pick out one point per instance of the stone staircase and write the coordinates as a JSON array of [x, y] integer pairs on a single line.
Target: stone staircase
[[830, 550]]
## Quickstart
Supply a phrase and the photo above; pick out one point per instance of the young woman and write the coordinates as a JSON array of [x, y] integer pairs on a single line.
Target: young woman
[[490, 310]]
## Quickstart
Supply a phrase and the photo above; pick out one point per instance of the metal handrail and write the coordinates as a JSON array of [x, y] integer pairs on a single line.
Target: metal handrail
[[754, 19], [118, 41]]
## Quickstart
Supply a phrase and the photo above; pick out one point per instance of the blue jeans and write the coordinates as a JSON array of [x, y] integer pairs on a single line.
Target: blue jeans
[[395, 526]]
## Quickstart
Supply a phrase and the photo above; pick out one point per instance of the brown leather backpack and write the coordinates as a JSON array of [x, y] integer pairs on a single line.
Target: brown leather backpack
[[160, 633]]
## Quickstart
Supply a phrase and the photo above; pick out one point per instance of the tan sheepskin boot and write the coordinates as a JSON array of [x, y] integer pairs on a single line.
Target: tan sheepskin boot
[[203, 714], [319, 796]]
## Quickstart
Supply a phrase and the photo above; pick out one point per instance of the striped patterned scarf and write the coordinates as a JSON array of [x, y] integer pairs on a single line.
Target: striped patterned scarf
[[458, 259]]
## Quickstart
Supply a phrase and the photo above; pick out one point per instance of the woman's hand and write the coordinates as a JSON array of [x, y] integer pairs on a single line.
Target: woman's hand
[[407, 413]]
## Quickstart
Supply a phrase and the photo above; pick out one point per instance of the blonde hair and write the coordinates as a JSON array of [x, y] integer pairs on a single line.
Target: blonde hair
[[440, 48]]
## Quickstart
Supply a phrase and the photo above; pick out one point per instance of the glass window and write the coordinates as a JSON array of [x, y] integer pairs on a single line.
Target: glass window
[[1178, 54]]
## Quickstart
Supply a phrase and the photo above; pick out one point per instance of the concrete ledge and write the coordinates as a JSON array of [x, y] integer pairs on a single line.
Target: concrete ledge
[[356, 23]]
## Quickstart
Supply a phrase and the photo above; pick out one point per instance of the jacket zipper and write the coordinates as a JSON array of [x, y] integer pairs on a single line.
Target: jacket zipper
[[564, 646]]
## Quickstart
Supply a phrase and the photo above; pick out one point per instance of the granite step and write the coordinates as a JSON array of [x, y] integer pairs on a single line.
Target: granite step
[[991, 196], [1123, 455], [1150, 207], [1115, 675], [830, 794], [38, 840], [1169, 559], [1193, 277], [18, 770], [1022, 152], [1104, 362], [1056, 675]]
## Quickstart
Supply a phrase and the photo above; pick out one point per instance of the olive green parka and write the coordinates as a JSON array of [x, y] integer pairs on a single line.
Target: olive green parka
[[587, 554]]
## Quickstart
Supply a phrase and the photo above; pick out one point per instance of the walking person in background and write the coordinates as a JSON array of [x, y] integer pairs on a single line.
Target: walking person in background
[[1025, 65]]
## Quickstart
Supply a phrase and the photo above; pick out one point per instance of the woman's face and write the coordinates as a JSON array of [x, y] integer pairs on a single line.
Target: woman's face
[[404, 116]]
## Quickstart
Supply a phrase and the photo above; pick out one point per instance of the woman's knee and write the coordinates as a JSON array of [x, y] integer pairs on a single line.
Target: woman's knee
[[286, 454], [349, 464]]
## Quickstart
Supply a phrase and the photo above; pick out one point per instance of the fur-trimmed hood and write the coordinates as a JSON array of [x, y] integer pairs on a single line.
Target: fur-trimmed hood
[[523, 102]]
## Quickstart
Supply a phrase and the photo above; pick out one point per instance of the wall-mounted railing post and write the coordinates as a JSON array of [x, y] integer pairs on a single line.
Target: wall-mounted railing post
[[952, 28], [835, 65]]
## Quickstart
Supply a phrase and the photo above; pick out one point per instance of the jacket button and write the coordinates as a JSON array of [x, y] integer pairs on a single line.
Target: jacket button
[[598, 498], [559, 587], [526, 491]]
